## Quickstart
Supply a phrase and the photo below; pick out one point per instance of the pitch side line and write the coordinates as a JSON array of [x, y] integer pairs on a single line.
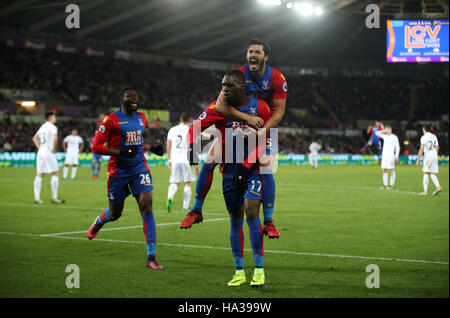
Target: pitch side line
[[32, 205], [227, 249], [127, 227], [340, 188]]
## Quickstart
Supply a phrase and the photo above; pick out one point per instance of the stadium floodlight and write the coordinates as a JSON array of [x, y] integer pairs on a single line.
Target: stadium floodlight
[[289, 5], [270, 2], [318, 11], [28, 103], [304, 8]]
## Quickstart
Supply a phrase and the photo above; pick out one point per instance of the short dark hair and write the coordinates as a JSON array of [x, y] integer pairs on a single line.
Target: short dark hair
[[426, 128], [185, 117], [388, 125], [122, 92], [237, 74], [48, 115], [266, 46]]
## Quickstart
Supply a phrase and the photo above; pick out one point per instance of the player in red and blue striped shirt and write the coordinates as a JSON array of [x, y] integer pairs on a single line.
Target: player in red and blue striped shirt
[[128, 172]]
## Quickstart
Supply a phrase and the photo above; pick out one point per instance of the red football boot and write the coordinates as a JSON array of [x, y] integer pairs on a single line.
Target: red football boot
[[192, 218], [271, 231]]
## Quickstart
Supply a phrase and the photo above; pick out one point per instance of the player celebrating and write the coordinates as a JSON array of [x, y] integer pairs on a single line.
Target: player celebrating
[[389, 158], [429, 146], [242, 184], [72, 144], [314, 148], [128, 172], [179, 166], [268, 84], [373, 140], [96, 161], [46, 141]]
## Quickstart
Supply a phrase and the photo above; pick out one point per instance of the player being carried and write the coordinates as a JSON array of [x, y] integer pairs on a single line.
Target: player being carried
[[72, 144], [429, 147], [242, 184], [268, 84], [389, 158], [128, 172], [373, 139], [46, 141]]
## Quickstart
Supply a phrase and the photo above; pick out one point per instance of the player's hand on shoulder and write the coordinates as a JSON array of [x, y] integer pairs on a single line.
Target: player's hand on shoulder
[[129, 152], [255, 122]]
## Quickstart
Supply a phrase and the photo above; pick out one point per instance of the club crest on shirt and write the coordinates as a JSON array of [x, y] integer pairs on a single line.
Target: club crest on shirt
[[265, 85], [141, 123], [252, 110]]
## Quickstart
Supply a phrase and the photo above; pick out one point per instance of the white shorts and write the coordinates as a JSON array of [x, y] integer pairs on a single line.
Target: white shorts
[[71, 159], [388, 162], [430, 165], [181, 172], [46, 162], [313, 156]]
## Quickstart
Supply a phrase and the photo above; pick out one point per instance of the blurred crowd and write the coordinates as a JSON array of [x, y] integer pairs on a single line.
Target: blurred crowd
[[334, 101]]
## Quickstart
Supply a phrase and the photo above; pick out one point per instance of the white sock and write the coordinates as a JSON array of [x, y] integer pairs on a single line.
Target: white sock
[[37, 188], [435, 180], [74, 172], [65, 171], [186, 197], [425, 183], [172, 190], [385, 178], [317, 163], [392, 178], [54, 183]]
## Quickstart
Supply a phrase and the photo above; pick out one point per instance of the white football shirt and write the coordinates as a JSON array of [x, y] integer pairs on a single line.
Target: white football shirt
[[178, 136], [314, 147], [45, 134], [429, 142], [73, 143], [391, 145]]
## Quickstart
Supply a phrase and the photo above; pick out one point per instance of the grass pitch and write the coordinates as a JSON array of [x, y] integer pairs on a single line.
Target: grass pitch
[[334, 221]]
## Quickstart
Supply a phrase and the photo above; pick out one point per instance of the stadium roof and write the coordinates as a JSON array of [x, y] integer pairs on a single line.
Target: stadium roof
[[219, 29]]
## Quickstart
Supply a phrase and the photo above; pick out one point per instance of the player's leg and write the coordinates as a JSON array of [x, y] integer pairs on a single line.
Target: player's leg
[[311, 161], [37, 188], [187, 193], [256, 238], [111, 214], [237, 245], [93, 166], [173, 187], [367, 145], [65, 170], [436, 183], [142, 189], [118, 190], [99, 166], [392, 178], [268, 187], [426, 180], [54, 182], [73, 172], [385, 179], [204, 182]]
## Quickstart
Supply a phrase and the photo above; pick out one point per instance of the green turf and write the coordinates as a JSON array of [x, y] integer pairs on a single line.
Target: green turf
[[333, 210]]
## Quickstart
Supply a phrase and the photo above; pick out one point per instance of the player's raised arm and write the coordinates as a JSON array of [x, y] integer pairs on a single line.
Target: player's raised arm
[[231, 112]]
